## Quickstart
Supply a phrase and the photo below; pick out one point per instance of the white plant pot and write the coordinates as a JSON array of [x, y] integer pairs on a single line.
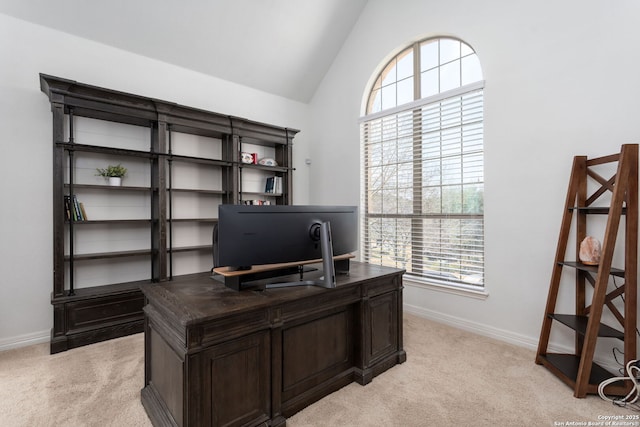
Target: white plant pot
[[115, 181]]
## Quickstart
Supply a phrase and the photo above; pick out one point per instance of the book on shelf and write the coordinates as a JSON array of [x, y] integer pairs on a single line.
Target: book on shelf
[[83, 212], [273, 185], [67, 208], [76, 209]]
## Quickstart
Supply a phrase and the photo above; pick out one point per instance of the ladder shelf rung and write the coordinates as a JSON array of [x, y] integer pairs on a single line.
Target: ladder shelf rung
[[579, 324], [591, 268], [595, 210], [565, 367]]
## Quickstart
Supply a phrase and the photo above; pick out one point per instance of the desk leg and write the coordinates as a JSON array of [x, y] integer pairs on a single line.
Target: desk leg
[[402, 355], [381, 335], [363, 375]]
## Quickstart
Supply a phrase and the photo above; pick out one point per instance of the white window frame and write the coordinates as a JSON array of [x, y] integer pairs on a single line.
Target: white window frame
[[456, 286]]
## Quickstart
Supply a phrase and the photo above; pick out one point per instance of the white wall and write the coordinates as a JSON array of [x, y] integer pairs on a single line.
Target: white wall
[[561, 80], [25, 211]]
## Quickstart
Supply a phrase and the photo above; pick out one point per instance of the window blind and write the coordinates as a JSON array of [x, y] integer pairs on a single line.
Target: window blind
[[423, 188]]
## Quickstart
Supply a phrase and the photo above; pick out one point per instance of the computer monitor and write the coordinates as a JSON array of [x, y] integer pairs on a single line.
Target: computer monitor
[[250, 235]]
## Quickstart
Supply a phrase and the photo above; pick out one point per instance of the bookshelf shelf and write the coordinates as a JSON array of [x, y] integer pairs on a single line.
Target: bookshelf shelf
[[104, 150], [107, 187], [110, 221], [107, 255], [193, 190], [202, 160], [251, 193], [264, 168], [192, 248], [193, 220]]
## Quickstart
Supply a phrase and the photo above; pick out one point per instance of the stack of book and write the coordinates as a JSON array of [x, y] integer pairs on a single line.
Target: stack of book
[[73, 209]]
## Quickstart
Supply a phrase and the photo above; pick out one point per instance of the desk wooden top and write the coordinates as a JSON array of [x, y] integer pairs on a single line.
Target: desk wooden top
[[198, 297]]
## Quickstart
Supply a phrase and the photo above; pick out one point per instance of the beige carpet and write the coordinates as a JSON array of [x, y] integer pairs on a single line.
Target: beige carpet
[[451, 378]]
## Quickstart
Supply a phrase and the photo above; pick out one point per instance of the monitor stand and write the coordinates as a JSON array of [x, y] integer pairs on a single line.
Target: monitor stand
[[328, 280]]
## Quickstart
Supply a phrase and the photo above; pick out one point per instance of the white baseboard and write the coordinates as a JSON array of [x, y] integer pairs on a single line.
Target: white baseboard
[[474, 327], [25, 340], [498, 334]]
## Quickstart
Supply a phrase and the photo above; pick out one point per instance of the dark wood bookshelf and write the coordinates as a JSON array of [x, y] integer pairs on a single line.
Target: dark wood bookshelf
[[85, 314]]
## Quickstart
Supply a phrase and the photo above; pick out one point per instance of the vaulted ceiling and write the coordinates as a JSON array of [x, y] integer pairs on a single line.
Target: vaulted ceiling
[[283, 47]]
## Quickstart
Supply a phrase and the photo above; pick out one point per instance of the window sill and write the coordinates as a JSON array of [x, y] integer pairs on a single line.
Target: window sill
[[462, 290]]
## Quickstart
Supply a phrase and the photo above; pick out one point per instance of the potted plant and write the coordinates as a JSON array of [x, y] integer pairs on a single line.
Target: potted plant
[[115, 173]]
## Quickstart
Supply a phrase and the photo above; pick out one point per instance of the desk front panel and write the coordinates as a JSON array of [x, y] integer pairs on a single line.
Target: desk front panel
[[316, 351]]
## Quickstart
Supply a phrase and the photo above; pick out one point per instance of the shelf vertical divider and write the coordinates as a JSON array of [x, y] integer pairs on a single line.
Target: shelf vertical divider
[[287, 157], [57, 110], [230, 176], [170, 202], [71, 205], [159, 201]]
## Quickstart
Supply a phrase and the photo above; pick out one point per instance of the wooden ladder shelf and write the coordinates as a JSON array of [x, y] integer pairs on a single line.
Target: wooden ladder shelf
[[578, 370]]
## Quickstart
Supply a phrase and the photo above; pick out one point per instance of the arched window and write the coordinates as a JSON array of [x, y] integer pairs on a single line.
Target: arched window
[[423, 164]]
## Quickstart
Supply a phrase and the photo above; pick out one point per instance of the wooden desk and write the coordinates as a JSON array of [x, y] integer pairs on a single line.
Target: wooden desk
[[218, 357]]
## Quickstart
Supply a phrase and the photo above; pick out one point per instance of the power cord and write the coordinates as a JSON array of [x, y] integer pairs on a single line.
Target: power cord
[[616, 349], [633, 370]]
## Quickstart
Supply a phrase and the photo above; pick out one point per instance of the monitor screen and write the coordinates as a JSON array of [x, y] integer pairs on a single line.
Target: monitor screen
[[254, 235]]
